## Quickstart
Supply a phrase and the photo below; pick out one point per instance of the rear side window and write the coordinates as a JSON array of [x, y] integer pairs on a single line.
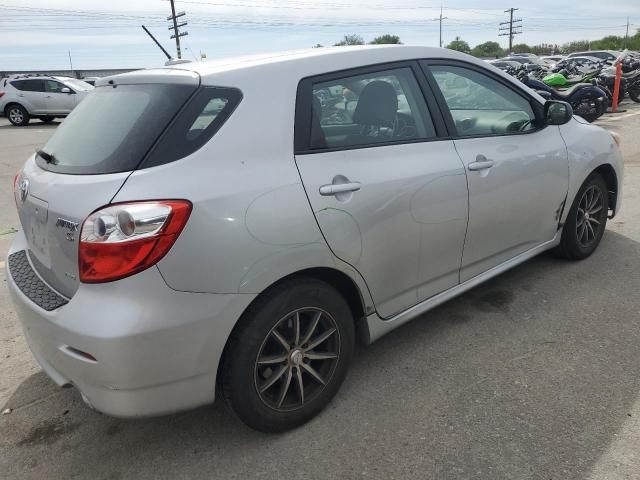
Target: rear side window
[[29, 85], [197, 123]]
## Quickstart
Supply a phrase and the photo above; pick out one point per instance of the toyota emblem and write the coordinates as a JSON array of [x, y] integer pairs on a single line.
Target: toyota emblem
[[23, 188]]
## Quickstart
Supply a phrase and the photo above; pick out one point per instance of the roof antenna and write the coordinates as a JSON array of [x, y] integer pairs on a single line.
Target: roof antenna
[[156, 42]]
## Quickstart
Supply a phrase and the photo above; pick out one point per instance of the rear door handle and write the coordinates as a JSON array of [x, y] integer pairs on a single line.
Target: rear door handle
[[481, 163], [335, 188]]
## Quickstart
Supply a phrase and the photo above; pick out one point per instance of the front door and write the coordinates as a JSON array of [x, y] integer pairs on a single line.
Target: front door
[[57, 101], [389, 195], [517, 170]]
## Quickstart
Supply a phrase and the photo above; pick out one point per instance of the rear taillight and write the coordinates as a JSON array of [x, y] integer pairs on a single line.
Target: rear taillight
[[16, 178], [124, 239], [1, 94]]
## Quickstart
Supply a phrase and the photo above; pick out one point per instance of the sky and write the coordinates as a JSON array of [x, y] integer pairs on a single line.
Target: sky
[[41, 34]]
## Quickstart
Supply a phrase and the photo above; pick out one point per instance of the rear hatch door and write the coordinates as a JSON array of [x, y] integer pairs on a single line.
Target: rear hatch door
[[87, 160]]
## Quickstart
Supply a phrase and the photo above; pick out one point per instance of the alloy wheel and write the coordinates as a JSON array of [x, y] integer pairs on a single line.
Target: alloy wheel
[[297, 359], [590, 215], [15, 115]]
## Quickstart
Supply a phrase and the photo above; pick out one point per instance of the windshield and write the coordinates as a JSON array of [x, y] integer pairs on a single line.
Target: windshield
[[113, 128], [78, 85]]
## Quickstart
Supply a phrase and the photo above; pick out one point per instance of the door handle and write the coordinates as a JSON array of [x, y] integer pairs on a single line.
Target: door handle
[[335, 188], [481, 163], [21, 94]]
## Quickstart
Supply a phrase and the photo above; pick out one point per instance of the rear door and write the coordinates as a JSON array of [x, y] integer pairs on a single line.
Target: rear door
[[84, 164], [387, 187], [517, 172], [32, 93]]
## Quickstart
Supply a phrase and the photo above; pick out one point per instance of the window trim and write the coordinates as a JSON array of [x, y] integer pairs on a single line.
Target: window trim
[[426, 65], [302, 118]]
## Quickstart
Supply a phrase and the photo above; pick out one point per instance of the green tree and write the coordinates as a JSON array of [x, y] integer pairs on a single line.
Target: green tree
[[459, 45], [576, 46], [386, 38], [350, 40], [487, 49], [521, 48]]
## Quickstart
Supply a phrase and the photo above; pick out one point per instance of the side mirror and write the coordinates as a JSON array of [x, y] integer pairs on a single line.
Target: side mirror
[[557, 112], [65, 90]]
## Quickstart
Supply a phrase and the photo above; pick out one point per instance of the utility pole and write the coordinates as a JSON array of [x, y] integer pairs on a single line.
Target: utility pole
[[175, 27], [440, 18], [513, 26], [626, 35], [70, 62]]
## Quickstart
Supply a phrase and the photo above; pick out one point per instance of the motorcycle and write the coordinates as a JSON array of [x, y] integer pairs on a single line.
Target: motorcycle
[[587, 100]]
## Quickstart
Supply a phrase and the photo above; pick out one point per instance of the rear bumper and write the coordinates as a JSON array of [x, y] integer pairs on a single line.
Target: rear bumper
[[156, 350]]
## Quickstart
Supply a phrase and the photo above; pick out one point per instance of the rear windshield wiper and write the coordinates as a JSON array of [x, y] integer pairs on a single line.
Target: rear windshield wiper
[[47, 157]]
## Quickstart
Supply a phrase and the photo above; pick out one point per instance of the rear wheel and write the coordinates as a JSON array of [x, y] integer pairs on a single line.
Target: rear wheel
[[17, 115], [586, 220], [634, 93], [590, 110], [289, 355]]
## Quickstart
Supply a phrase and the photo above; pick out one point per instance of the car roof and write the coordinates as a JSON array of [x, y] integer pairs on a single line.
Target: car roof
[[298, 63]]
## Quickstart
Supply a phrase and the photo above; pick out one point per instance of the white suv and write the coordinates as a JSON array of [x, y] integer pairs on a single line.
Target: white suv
[[25, 96]]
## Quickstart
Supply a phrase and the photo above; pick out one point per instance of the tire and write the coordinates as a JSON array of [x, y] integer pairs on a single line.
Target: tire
[[592, 115], [580, 236], [47, 119], [634, 93], [251, 387], [17, 115]]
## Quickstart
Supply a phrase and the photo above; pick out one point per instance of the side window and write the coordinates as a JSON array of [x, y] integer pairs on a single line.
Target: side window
[[54, 86], [29, 85], [202, 117], [385, 106], [481, 105]]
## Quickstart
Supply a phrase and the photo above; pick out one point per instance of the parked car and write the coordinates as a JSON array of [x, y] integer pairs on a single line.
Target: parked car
[[23, 97], [91, 80], [607, 55], [505, 64], [551, 60], [522, 59], [215, 227]]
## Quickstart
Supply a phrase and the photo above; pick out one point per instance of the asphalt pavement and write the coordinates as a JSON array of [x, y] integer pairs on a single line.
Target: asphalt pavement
[[533, 375]]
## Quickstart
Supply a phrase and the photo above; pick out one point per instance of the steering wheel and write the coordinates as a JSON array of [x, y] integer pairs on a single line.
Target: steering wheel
[[403, 127]]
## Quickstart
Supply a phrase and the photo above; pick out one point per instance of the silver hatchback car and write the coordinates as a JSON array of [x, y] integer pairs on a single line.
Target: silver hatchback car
[[235, 225]]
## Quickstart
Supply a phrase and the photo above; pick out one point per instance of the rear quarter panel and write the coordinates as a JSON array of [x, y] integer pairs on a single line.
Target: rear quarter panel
[[251, 223], [589, 146]]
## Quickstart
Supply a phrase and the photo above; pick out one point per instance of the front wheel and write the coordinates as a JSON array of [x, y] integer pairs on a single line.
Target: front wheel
[[289, 355], [586, 220], [17, 115]]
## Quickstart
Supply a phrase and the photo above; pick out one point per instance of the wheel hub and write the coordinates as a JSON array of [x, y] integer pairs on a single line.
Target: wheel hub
[[297, 359]]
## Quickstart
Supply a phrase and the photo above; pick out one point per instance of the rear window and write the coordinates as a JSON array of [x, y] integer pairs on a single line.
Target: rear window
[[29, 85], [114, 128]]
